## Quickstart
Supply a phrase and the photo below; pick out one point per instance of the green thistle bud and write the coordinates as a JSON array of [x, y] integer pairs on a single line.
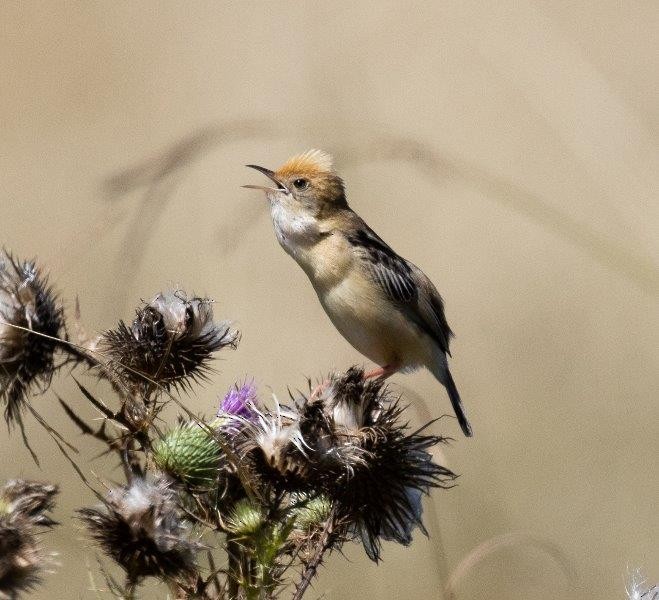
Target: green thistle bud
[[246, 519], [312, 513], [189, 453]]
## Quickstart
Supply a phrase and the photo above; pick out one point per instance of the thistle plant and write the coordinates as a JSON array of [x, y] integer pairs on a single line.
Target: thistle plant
[[243, 501]]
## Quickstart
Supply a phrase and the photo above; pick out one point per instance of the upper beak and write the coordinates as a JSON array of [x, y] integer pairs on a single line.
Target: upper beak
[[270, 175]]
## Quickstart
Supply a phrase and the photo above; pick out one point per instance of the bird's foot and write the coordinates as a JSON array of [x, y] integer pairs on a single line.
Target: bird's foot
[[381, 372]]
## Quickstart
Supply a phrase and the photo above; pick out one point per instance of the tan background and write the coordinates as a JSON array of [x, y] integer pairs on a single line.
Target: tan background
[[509, 149]]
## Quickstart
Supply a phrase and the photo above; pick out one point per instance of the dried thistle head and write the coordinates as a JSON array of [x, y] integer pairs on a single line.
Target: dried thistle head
[[384, 493], [272, 447], [23, 508], [28, 500], [350, 444], [638, 587], [170, 341], [27, 304], [141, 528], [389, 469]]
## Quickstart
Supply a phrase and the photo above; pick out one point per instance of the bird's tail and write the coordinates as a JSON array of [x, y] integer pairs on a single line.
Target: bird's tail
[[439, 368], [454, 395]]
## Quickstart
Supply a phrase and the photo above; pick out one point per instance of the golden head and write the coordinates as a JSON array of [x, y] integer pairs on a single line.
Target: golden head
[[308, 178]]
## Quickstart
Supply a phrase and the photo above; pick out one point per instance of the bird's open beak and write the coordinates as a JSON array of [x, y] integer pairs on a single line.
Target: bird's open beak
[[270, 175]]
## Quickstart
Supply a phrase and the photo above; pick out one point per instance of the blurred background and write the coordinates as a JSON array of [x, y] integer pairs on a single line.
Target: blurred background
[[509, 149]]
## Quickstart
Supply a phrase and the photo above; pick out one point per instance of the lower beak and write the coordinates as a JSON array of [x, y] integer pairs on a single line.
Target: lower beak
[[270, 175], [265, 188]]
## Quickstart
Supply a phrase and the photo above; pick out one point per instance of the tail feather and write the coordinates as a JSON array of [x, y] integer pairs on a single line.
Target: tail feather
[[454, 396]]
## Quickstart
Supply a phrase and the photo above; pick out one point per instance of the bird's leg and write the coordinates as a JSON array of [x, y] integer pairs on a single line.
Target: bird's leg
[[382, 372], [318, 390]]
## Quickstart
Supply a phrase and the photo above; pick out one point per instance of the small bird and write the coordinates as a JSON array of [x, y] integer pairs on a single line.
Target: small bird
[[381, 303]]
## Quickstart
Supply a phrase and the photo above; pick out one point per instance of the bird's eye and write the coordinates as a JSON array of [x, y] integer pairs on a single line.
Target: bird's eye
[[301, 184]]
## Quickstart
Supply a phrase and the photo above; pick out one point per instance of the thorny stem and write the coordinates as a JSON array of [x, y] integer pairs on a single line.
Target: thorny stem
[[234, 553], [81, 355], [311, 568]]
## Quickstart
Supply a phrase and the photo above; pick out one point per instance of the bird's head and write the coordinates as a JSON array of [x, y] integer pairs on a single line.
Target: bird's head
[[306, 184]]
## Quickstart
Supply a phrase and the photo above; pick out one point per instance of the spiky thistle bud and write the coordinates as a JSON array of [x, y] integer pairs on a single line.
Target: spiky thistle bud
[[170, 341], [23, 508], [28, 307], [311, 512], [263, 539], [141, 528], [190, 453], [246, 519]]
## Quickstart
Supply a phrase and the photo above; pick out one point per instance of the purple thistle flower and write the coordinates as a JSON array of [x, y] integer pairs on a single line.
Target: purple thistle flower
[[239, 402]]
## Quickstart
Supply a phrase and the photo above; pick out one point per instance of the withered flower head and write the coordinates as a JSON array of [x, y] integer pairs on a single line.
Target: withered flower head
[[272, 444], [23, 508], [29, 500], [383, 481], [141, 528], [26, 359], [638, 587], [351, 444], [170, 341]]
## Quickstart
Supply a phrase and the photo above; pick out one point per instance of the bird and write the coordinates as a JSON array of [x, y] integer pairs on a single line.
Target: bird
[[382, 304]]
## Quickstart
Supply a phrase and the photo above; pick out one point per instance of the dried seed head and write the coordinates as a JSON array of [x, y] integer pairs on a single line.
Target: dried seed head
[[350, 401], [351, 445], [363, 457], [28, 500], [23, 507], [191, 454], [380, 494], [26, 359], [22, 562], [274, 447], [170, 341], [141, 528]]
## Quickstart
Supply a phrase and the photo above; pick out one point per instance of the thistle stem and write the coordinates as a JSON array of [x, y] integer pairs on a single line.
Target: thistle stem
[[311, 568], [234, 554]]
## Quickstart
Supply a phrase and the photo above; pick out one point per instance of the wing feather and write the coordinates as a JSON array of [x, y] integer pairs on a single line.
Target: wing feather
[[404, 283]]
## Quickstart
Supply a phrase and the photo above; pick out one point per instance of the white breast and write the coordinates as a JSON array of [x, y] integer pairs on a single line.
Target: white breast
[[295, 230]]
